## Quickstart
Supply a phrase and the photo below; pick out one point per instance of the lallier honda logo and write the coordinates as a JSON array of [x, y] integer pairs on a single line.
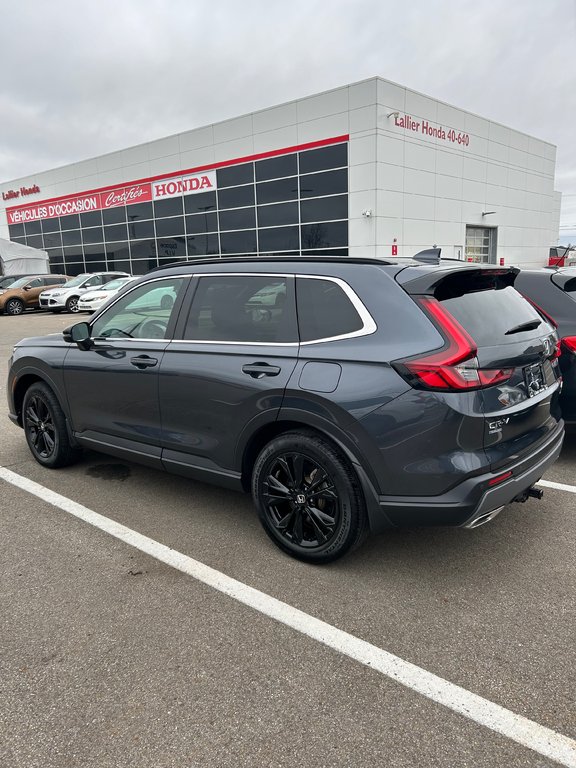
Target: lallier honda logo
[[14, 194], [174, 186]]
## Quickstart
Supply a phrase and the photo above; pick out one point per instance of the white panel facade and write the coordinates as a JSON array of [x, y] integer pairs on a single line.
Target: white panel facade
[[420, 170]]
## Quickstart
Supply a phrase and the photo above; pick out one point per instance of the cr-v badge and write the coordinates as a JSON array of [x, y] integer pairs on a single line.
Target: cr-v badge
[[496, 426]]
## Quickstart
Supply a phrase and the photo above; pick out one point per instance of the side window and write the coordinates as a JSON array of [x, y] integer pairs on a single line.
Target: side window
[[324, 310], [36, 283], [242, 309], [143, 313], [108, 278], [93, 282], [54, 280]]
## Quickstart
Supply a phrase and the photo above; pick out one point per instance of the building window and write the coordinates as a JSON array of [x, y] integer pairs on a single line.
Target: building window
[[295, 202]]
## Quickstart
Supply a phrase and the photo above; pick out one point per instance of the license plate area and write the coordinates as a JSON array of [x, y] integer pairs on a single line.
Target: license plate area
[[534, 379]]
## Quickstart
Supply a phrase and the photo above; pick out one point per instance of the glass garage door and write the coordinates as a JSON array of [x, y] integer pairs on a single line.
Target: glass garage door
[[481, 244]]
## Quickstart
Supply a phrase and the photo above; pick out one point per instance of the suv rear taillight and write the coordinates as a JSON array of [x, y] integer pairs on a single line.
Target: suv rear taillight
[[453, 368], [569, 342]]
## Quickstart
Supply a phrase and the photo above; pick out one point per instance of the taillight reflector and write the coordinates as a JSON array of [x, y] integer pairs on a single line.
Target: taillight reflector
[[453, 368], [500, 478]]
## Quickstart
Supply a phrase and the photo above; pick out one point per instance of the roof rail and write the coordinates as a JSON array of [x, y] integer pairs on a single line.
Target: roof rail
[[253, 258]]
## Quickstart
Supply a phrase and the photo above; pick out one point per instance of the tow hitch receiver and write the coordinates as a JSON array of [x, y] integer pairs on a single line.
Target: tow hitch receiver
[[529, 493]]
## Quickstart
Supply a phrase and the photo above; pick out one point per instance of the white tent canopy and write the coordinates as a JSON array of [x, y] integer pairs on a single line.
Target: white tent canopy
[[16, 259]]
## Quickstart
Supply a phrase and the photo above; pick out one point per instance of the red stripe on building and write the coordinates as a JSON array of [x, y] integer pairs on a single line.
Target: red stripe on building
[[139, 190]]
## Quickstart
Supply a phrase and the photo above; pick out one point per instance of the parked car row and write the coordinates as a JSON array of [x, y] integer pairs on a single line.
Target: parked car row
[[57, 293], [348, 395]]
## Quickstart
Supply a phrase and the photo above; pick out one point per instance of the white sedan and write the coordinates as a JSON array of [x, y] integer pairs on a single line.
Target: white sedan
[[93, 300]]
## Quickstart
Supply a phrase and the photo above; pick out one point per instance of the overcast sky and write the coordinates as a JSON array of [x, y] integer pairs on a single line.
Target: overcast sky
[[81, 79]]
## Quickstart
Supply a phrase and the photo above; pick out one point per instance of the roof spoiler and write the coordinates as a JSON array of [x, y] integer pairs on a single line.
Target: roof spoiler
[[454, 280]]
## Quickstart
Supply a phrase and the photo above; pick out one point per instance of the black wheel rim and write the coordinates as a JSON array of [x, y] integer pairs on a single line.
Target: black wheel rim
[[301, 501], [40, 428]]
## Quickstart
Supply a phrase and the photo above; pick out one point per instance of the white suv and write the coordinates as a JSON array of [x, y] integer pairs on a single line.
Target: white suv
[[66, 296]]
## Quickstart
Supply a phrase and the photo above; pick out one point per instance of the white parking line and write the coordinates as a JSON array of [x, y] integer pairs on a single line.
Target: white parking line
[[528, 733], [557, 486]]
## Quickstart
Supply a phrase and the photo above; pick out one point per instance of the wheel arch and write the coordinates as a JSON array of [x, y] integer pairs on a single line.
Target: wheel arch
[[23, 383], [264, 434], [22, 386]]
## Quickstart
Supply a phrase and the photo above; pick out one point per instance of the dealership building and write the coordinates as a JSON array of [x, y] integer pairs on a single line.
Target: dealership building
[[368, 169]]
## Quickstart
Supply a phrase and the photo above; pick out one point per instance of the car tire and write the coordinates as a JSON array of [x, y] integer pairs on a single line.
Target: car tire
[[72, 304], [45, 428], [308, 498], [14, 307]]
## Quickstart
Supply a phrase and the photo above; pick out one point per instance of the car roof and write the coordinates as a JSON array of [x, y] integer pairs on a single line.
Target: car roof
[[279, 262]]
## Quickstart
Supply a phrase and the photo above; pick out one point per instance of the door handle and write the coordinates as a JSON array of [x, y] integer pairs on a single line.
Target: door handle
[[143, 362], [258, 370]]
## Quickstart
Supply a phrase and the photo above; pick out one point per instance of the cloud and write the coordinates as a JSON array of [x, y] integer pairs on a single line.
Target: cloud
[[84, 79]]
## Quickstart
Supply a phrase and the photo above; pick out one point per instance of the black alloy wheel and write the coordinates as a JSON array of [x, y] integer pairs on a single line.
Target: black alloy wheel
[[45, 428], [14, 307], [308, 498], [72, 304]]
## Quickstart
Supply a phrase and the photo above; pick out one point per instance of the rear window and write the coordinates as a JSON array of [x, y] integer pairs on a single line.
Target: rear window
[[487, 315], [570, 288]]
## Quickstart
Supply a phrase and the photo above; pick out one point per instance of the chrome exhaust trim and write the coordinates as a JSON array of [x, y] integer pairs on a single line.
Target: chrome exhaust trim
[[486, 517]]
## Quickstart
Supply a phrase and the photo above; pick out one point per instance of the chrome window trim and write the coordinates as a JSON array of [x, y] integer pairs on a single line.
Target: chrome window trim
[[368, 323], [239, 343]]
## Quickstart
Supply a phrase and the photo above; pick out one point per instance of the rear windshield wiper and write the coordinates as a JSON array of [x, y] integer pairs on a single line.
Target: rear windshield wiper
[[528, 326]]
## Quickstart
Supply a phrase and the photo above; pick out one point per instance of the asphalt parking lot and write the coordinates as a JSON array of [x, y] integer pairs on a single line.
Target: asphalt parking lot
[[111, 658]]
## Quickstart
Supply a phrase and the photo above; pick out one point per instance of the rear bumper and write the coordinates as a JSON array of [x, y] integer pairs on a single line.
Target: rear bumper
[[474, 498]]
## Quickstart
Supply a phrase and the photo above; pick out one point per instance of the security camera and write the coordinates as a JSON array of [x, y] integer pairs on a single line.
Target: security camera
[[367, 212]]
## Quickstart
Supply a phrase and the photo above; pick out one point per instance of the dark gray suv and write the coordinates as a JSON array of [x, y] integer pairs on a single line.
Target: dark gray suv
[[347, 394], [553, 293]]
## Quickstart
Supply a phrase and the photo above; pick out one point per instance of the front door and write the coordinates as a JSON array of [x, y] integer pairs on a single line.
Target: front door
[[32, 290], [112, 388], [227, 374]]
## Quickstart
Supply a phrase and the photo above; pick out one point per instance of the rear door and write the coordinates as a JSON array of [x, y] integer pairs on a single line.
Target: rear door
[[513, 339], [227, 374]]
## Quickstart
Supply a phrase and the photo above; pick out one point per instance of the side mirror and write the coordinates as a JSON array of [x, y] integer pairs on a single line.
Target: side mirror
[[78, 334], [26, 287]]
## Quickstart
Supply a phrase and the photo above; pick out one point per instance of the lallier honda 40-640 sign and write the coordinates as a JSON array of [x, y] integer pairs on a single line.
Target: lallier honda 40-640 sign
[[111, 198]]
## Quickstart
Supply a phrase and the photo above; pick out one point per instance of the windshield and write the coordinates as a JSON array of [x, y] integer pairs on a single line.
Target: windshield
[[78, 280], [114, 284], [19, 283]]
